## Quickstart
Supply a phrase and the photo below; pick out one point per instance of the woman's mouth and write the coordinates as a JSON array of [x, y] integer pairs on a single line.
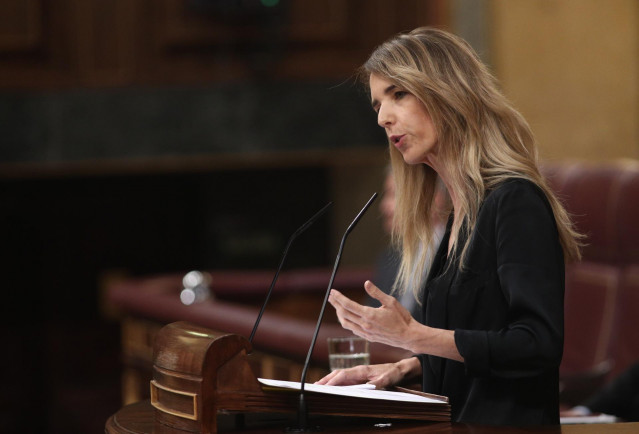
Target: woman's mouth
[[397, 140]]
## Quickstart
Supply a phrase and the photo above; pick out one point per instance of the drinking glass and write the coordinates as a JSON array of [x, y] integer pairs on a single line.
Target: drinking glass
[[347, 352]]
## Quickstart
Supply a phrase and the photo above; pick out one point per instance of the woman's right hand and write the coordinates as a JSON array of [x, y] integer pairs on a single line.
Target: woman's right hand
[[381, 376]]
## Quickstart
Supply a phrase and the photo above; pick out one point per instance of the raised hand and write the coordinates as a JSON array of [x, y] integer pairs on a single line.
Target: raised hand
[[388, 324]]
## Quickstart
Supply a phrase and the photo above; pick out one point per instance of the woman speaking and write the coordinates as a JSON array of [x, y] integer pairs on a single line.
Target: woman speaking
[[492, 332]]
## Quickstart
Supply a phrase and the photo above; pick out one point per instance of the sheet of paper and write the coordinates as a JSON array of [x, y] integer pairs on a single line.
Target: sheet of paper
[[358, 391]]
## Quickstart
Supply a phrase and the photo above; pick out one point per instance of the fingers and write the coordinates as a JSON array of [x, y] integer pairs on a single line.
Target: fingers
[[337, 299], [383, 380], [377, 293], [345, 308], [381, 376], [345, 377], [387, 301], [366, 321], [351, 315], [327, 378], [342, 378], [357, 327]]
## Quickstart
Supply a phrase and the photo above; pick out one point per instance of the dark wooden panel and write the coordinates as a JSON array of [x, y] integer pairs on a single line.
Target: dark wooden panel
[[297, 39], [38, 47], [20, 25], [105, 41], [319, 21], [122, 42]]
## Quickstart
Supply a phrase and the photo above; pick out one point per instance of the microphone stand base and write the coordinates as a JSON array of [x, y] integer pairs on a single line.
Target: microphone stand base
[[302, 417]]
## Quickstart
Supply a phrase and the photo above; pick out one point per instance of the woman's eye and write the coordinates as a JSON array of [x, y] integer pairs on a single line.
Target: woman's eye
[[400, 94]]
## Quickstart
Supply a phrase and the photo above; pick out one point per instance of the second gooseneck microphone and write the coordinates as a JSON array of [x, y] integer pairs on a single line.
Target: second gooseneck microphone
[[302, 409], [277, 273]]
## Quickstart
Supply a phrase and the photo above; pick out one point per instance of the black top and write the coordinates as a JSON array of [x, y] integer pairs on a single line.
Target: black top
[[506, 308]]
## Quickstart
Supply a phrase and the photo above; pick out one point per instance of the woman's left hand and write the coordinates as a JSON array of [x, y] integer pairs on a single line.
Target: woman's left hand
[[388, 324]]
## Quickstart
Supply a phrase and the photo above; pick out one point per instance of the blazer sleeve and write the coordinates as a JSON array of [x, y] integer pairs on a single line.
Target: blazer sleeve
[[530, 276]]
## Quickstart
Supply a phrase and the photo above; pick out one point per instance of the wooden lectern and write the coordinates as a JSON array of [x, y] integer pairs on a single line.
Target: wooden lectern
[[198, 373]]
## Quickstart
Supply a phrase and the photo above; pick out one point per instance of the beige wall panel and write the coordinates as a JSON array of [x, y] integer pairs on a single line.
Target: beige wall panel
[[571, 67]]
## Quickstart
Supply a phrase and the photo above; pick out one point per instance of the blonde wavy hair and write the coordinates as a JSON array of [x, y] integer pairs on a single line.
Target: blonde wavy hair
[[483, 141]]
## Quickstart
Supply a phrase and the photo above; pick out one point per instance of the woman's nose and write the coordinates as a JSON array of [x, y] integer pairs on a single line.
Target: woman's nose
[[384, 117]]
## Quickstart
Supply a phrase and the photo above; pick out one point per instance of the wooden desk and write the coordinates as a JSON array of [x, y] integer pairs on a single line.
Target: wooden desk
[[138, 419]]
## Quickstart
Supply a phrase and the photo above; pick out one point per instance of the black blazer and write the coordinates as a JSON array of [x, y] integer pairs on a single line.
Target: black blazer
[[506, 308]]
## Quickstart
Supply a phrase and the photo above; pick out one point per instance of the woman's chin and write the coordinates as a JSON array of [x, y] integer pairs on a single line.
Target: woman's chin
[[411, 160]]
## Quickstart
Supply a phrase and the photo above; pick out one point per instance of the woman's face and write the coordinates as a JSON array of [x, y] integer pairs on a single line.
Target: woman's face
[[404, 118]]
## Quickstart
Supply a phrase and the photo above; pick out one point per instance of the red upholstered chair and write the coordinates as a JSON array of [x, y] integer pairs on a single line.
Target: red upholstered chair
[[624, 348], [626, 224], [556, 175], [590, 306], [591, 195], [590, 309]]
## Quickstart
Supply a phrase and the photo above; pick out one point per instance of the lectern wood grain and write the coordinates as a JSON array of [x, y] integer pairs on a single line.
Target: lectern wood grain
[[198, 373]]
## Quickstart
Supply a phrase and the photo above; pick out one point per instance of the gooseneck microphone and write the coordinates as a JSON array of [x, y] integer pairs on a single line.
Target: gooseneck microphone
[[302, 408], [279, 268]]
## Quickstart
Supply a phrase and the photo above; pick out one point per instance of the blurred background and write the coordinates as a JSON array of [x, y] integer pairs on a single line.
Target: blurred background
[[140, 137]]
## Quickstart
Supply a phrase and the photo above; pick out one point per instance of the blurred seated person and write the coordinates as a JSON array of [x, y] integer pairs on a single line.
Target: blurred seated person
[[389, 259], [619, 398]]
